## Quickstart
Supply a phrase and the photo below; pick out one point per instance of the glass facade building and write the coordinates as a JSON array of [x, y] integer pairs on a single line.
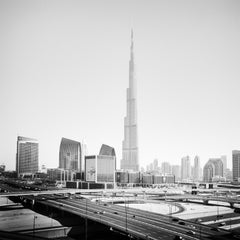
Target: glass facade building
[[27, 156], [214, 167], [236, 165], [70, 155], [100, 168]]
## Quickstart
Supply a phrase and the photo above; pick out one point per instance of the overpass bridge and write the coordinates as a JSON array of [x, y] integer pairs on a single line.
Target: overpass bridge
[[134, 223], [205, 199], [123, 219]]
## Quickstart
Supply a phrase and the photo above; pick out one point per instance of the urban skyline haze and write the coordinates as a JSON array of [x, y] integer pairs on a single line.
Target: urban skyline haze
[[64, 73]]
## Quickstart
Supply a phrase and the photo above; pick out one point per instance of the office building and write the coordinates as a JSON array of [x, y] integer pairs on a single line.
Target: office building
[[70, 155], [27, 156], [107, 151], [130, 143], [213, 168], [224, 161], [176, 171], [101, 168], [60, 174], [196, 169], [185, 168], [236, 165], [155, 165], [166, 168]]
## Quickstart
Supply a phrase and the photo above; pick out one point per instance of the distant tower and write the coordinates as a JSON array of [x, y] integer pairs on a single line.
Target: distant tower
[[155, 165], [224, 161], [130, 143], [196, 169], [27, 156], [236, 165], [185, 168]]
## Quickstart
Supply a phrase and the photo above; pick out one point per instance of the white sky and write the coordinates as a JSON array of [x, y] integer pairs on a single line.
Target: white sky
[[64, 73]]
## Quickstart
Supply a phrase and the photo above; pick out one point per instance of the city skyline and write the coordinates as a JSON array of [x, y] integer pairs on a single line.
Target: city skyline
[[67, 76]]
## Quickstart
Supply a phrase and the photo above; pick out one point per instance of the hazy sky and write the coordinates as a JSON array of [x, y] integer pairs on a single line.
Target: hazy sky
[[64, 73]]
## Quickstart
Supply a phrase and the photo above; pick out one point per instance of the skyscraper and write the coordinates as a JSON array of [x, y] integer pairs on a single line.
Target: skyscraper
[[185, 168], [155, 165], [196, 169], [166, 168], [130, 143], [70, 155], [213, 168], [236, 165], [224, 161], [176, 171], [27, 156]]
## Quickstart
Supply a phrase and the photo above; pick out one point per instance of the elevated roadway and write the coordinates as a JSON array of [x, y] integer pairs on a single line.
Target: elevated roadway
[[137, 223]]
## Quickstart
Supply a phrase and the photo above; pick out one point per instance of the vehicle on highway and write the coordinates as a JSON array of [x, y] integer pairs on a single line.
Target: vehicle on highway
[[182, 223], [215, 229], [191, 232], [222, 224]]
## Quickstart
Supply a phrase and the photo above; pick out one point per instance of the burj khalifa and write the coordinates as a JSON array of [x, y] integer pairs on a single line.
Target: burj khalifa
[[130, 143]]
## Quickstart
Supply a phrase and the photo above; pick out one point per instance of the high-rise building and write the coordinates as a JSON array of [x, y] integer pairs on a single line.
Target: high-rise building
[[213, 168], [196, 169], [101, 168], [185, 168], [130, 143], [166, 168], [107, 150], [224, 161], [27, 156], [236, 165], [176, 171], [155, 165], [70, 155]]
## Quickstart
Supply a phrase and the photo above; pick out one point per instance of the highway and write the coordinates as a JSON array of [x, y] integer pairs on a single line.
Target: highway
[[136, 222]]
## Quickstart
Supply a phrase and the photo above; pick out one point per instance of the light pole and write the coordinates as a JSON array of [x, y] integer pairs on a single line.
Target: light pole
[[217, 206], [34, 219], [86, 222], [125, 210], [200, 228]]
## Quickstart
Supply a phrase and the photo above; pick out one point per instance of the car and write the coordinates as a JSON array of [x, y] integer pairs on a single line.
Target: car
[[115, 212], [192, 226], [222, 224], [175, 220], [215, 229], [191, 232], [182, 223]]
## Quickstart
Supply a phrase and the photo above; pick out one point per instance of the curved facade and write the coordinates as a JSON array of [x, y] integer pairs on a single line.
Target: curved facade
[[214, 167], [107, 151], [70, 155]]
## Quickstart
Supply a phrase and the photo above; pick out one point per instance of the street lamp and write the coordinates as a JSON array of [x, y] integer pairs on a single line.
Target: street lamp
[[86, 222], [200, 227], [125, 210], [34, 219], [217, 206]]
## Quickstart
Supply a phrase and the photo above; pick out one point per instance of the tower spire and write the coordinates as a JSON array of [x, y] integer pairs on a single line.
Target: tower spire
[[130, 143]]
